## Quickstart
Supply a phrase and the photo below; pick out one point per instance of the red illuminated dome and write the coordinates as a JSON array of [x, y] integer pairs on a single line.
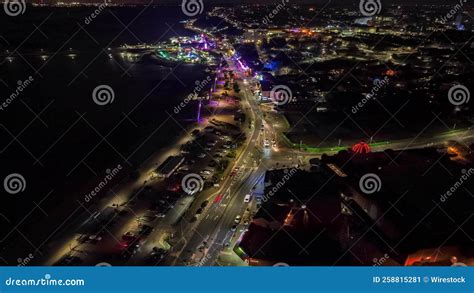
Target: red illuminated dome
[[361, 148]]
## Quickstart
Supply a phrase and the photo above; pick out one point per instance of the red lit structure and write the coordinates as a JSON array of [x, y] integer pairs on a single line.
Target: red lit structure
[[361, 148]]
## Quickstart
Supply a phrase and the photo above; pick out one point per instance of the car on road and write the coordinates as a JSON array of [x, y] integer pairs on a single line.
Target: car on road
[[266, 143], [130, 251], [91, 239], [237, 219], [158, 253], [129, 237], [146, 230], [201, 156], [233, 228], [247, 198]]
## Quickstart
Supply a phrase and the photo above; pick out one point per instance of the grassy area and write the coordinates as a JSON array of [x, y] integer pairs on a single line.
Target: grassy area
[[311, 149]]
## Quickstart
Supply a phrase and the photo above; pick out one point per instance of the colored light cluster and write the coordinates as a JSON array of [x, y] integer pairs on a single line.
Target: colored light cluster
[[361, 148]]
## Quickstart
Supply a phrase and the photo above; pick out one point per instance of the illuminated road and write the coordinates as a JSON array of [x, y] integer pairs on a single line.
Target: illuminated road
[[215, 223]]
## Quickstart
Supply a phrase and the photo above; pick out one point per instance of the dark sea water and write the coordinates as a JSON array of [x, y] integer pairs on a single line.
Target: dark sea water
[[53, 133]]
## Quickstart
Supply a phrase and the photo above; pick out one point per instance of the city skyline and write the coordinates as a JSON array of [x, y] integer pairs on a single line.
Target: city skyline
[[237, 135]]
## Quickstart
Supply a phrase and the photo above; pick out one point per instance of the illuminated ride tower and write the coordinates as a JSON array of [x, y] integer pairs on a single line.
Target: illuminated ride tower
[[361, 148]]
